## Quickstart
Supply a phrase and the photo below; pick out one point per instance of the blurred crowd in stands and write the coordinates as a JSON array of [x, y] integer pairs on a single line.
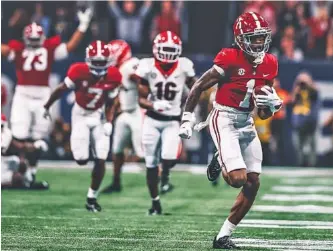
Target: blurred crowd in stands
[[300, 29]]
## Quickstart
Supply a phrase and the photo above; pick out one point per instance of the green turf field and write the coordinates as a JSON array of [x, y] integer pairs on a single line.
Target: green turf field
[[57, 220]]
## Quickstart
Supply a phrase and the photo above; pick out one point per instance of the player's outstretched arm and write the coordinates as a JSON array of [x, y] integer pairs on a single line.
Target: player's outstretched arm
[[84, 18], [207, 80], [55, 95]]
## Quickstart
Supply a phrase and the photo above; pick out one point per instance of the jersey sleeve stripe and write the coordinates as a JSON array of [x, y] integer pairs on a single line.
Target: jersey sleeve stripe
[[69, 83], [219, 69]]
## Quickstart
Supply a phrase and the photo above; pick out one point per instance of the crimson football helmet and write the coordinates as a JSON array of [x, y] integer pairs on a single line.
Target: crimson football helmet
[[167, 47], [120, 51], [98, 58], [33, 35], [248, 27]]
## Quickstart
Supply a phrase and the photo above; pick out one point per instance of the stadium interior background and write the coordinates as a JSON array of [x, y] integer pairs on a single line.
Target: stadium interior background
[[302, 39]]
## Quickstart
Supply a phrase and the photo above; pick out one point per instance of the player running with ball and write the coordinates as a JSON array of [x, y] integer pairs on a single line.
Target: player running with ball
[[239, 72]]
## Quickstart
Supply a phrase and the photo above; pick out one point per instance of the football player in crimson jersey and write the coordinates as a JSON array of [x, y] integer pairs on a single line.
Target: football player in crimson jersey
[[96, 85], [33, 59], [128, 125], [163, 78], [238, 71]]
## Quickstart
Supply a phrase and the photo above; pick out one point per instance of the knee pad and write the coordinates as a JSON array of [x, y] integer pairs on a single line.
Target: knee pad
[[82, 162]]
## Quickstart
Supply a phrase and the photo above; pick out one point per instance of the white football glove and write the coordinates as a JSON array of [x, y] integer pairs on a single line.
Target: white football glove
[[186, 128], [46, 114], [107, 128], [41, 145], [271, 100], [84, 18], [161, 105]]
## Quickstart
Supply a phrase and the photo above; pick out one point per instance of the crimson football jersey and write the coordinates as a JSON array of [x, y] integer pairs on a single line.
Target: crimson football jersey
[[241, 77], [33, 66], [90, 93]]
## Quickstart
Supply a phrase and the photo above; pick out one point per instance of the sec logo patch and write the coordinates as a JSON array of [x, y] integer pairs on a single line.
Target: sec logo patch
[[241, 72]]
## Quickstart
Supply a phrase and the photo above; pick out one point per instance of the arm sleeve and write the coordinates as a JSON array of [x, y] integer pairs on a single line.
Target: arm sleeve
[[61, 52], [72, 77], [142, 70], [115, 10]]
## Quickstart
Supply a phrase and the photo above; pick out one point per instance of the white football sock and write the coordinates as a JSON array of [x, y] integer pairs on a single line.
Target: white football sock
[[33, 170], [156, 198], [226, 229], [92, 194]]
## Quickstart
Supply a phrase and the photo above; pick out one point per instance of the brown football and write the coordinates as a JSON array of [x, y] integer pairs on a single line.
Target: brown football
[[263, 112]]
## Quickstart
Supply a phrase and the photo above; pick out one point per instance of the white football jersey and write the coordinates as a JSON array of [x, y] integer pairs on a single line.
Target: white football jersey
[[166, 86], [128, 95], [6, 139]]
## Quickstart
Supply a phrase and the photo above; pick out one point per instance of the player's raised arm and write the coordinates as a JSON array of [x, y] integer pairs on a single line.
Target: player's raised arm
[[84, 18], [207, 80]]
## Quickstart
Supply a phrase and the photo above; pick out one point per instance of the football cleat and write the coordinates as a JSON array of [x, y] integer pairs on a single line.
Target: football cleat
[[43, 185], [166, 188], [156, 208], [214, 169], [92, 205], [112, 189], [224, 243]]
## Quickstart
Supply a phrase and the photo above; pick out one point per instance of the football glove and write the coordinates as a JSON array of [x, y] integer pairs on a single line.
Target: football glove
[[46, 114], [41, 145], [161, 105], [84, 19], [271, 99], [186, 128], [107, 129]]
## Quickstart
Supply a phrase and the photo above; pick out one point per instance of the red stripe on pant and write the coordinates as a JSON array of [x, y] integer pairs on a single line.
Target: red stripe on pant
[[217, 133]]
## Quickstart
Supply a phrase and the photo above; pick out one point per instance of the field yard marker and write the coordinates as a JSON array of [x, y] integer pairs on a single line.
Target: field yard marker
[[302, 189], [261, 243], [297, 197], [294, 209], [307, 181]]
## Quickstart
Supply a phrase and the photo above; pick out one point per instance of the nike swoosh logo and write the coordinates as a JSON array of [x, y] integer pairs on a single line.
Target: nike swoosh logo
[[265, 75]]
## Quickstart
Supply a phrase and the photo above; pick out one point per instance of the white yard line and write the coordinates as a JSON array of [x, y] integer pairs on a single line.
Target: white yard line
[[297, 197], [307, 181], [288, 222], [302, 189], [261, 243], [294, 209]]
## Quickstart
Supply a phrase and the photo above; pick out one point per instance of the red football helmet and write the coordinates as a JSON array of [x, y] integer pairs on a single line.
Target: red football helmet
[[98, 58], [33, 35], [252, 34], [120, 51], [167, 47]]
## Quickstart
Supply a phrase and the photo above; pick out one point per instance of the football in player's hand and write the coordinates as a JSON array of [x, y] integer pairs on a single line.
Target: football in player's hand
[[264, 112]]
